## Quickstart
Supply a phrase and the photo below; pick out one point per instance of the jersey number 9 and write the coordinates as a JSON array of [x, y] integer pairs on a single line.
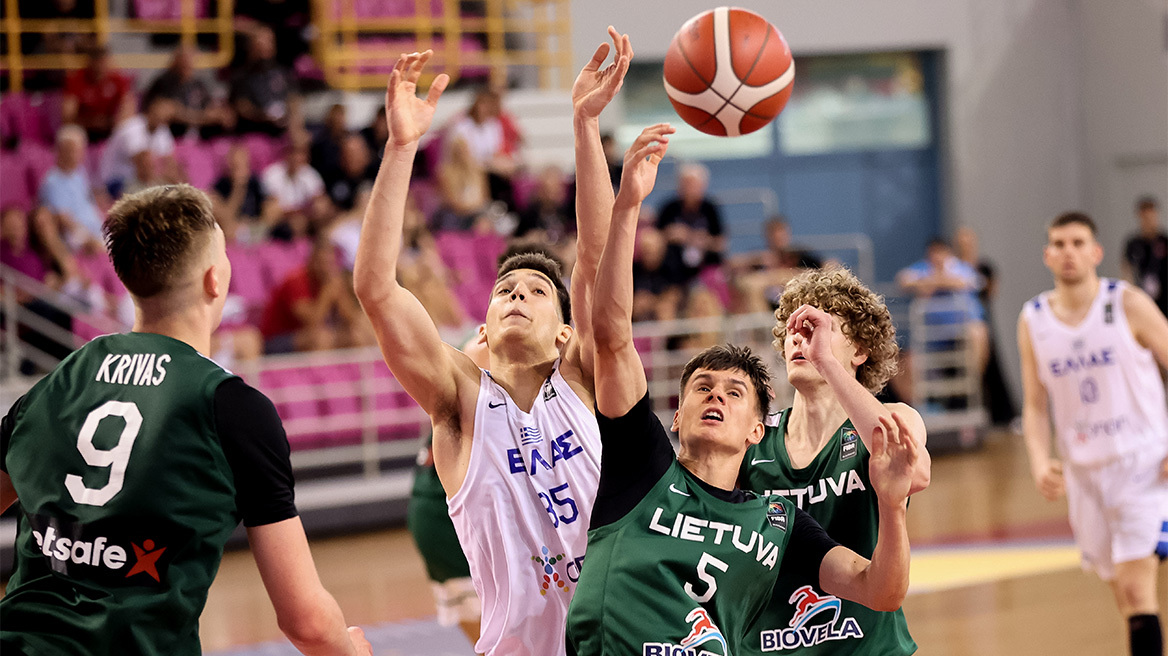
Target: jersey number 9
[[116, 458]]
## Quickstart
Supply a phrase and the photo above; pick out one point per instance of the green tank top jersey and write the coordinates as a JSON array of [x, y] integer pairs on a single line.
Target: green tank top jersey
[[835, 490], [127, 501], [428, 519], [682, 573]]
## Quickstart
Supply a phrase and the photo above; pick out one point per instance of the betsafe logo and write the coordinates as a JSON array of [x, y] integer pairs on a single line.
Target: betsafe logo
[[81, 551]]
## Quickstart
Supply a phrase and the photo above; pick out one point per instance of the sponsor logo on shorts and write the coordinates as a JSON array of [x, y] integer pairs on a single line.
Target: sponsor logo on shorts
[[704, 636], [817, 620], [110, 554], [849, 444]]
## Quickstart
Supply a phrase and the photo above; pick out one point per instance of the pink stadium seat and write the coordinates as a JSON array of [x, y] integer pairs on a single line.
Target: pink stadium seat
[[248, 279], [336, 379], [40, 159], [487, 249], [469, 49], [14, 181], [100, 271], [279, 259], [16, 117], [263, 150], [167, 9], [715, 280], [198, 160], [281, 382]]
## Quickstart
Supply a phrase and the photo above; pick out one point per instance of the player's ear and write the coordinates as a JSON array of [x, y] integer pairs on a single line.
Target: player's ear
[[756, 433], [676, 414], [859, 357], [564, 335], [213, 285]]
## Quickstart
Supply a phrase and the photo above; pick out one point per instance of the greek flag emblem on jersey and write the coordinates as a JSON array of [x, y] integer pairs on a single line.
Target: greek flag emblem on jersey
[[529, 435]]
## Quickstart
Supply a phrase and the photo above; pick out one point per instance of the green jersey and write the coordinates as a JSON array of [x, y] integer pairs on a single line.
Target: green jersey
[[428, 519], [127, 498], [835, 490], [654, 582]]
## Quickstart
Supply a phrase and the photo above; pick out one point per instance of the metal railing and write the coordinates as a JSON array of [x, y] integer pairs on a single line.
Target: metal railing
[[187, 25], [356, 51]]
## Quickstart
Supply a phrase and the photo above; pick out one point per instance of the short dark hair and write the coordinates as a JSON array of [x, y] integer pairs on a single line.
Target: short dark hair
[[1146, 203], [938, 241], [536, 260], [154, 234], [1074, 218], [728, 357]]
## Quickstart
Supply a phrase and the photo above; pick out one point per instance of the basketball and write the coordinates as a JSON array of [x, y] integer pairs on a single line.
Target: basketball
[[728, 72]]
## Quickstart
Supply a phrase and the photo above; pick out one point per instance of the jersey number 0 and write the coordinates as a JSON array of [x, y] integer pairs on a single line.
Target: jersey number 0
[[116, 458]]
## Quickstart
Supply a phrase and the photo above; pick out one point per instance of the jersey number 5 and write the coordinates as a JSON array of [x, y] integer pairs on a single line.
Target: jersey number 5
[[116, 458], [704, 574]]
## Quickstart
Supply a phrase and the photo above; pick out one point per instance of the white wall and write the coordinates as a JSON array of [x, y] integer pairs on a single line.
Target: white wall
[[1051, 105]]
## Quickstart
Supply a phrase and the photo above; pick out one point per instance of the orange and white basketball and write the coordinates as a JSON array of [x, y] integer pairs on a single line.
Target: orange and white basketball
[[728, 72]]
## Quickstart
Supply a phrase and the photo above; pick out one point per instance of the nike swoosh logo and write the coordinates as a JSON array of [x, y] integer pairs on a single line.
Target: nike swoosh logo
[[677, 491], [759, 461], [496, 405]]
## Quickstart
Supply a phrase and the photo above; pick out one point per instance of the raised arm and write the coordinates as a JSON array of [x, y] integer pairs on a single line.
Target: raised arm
[[307, 614], [880, 583], [617, 363], [866, 412], [428, 370], [1046, 470], [593, 90]]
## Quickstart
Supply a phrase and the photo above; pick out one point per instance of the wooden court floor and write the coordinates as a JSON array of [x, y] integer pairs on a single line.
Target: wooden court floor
[[993, 572]]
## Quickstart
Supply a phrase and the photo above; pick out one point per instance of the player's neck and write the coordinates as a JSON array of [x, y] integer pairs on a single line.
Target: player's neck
[[522, 379], [815, 417], [189, 327], [1077, 296], [716, 469]]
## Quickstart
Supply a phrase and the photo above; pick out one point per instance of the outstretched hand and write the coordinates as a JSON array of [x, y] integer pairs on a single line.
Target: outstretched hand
[[815, 328], [407, 116], [893, 461], [595, 88], [641, 162]]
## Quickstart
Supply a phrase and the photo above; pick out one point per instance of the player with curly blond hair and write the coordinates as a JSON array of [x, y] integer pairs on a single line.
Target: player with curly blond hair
[[839, 346]]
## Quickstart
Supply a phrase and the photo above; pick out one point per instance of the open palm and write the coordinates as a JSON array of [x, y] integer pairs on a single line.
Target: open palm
[[595, 87], [641, 161], [893, 461], [408, 116]]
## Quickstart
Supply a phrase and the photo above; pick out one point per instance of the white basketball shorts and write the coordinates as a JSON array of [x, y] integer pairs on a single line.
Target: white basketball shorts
[[1117, 509]]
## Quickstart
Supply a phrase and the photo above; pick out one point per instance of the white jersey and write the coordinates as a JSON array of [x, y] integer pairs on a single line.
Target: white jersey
[[1106, 396], [522, 513]]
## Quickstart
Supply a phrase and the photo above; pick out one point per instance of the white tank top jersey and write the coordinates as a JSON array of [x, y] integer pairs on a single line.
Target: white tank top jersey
[[522, 513], [1106, 396]]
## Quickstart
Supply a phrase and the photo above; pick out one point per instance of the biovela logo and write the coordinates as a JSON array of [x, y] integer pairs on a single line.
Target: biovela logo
[[704, 636], [818, 619], [115, 553]]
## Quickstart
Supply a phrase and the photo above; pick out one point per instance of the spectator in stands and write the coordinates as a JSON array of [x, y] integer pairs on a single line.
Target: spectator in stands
[[462, 186], [948, 287], [760, 276], [147, 173], [421, 271], [196, 107], [351, 174], [376, 134], [58, 41], [492, 142], [1145, 257], [292, 182], [95, 95], [240, 201], [313, 308], [550, 217], [650, 284], [327, 144], [263, 93], [995, 390], [136, 134], [288, 20], [39, 254], [66, 190], [692, 226]]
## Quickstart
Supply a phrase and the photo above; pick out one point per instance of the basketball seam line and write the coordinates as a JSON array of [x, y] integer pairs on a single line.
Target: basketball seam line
[[742, 80], [709, 83]]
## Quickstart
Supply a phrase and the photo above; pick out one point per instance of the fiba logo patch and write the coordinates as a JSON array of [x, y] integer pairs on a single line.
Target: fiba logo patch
[[547, 566], [849, 444], [818, 619], [703, 636], [777, 515]]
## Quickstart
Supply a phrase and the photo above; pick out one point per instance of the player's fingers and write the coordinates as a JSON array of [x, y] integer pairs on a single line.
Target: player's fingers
[[628, 46], [879, 441], [655, 148], [890, 430], [418, 64], [903, 427], [597, 58], [436, 89]]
